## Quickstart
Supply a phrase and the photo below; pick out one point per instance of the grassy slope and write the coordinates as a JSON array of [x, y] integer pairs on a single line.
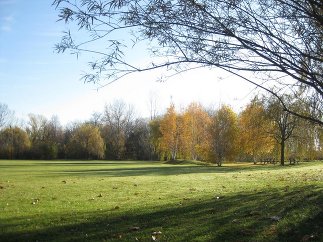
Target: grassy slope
[[128, 201]]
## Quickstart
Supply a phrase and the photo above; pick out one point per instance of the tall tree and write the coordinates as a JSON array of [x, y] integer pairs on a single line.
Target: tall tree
[[279, 41], [86, 142], [14, 142], [253, 125], [137, 144], [283, 122], [5, 115], [303, 143], [224, 131], [46, 137], [169, 133], [155, 137], [117, 121], [199, 122]]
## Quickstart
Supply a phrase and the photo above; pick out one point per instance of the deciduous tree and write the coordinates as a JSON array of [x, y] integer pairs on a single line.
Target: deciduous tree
[[199, 122], [86, 142], [137, 144], [117, 121], [46, 137], [254, 140], [224, 131], [155, 137], [5, 115], [14, 142], [283, 122], [169, 133]]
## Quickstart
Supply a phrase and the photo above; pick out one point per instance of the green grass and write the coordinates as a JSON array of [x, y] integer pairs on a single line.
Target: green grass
[[185, 201]]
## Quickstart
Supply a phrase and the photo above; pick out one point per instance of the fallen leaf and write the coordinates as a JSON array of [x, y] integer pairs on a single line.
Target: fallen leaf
[[134, 228], [155, 235], [35, 201]]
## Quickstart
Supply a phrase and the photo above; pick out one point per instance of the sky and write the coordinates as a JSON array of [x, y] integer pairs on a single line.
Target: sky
[[35, 79]]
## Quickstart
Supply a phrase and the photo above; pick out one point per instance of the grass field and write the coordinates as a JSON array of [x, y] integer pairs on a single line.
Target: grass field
[[146, 201]]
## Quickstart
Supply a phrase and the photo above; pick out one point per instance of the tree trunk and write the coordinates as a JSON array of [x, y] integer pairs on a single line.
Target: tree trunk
[[282, 152]]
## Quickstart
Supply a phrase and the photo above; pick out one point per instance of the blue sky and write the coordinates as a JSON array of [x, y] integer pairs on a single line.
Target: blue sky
[[35, 79]]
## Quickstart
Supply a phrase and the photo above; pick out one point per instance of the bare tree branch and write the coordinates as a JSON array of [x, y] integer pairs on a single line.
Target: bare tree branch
[[279, 41]]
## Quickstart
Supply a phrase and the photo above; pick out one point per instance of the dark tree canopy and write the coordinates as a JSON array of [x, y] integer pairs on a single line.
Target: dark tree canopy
[[274, 44]]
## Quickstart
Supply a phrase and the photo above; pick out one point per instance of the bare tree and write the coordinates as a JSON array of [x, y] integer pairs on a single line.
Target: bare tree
[[117, 122], [46, 136], [5, 115], [153, 105], [279, 41], [96, 119]]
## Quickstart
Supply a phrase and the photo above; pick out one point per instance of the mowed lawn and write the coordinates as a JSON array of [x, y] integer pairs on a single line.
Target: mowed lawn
[[154, 201]]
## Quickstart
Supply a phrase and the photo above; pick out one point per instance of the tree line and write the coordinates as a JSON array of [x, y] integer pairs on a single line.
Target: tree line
[[262, 132]]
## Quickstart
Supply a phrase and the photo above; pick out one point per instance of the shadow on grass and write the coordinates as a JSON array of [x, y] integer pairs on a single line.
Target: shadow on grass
[[271, 215], [27, 163], [164, 170], [137, 168]]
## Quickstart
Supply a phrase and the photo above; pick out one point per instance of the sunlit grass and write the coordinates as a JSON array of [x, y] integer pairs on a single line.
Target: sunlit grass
[[185, 201]]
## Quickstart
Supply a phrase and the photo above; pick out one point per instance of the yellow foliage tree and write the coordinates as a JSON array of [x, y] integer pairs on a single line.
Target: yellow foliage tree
[[184, 136], [199, 122], [86, 140], [224, 131], [169, 134], [254, 141]]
